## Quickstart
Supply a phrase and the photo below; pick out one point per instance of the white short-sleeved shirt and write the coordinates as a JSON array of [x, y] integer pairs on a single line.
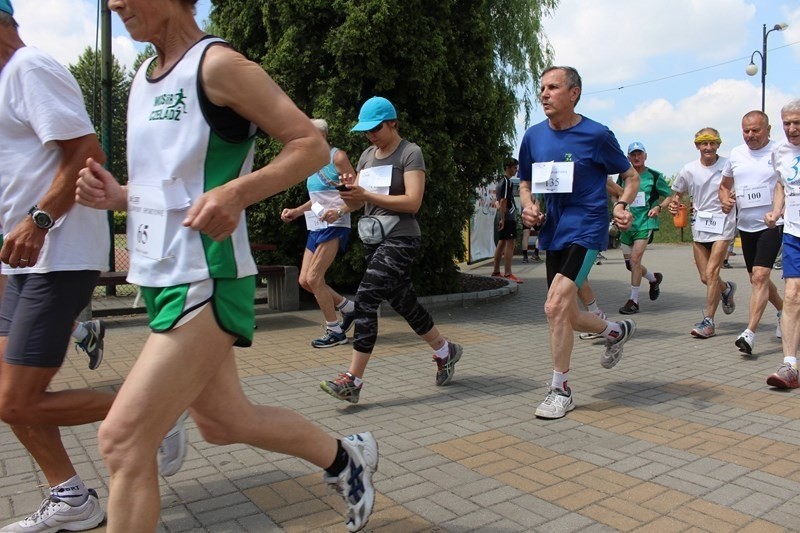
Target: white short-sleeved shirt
[[702, 184], [786, 161], [753, 176], [42, 104]]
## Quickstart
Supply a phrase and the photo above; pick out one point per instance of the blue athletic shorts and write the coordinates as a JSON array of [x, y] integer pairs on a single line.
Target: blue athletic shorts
[[791, 256], [315, 238]]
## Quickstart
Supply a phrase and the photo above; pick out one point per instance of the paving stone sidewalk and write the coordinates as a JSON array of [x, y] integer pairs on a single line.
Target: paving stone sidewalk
[[683, 435]]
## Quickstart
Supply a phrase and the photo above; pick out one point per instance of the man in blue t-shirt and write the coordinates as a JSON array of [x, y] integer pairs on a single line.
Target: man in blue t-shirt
[[568, 158]]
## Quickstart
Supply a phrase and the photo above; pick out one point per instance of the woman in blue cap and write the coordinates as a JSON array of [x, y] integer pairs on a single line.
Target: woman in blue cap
[[390, 184]]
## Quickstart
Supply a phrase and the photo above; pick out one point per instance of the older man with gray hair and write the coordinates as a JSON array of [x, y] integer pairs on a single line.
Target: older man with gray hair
[[786, 203]]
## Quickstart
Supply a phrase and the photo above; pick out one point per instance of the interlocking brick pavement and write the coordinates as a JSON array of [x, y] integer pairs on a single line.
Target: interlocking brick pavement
[[683, 435]]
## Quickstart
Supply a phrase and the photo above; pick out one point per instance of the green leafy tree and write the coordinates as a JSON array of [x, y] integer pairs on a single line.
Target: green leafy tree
[[148, 52], [87, 73], [458, 71]]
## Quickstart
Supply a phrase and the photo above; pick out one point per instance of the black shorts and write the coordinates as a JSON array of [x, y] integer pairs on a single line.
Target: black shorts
[[574, 263], [760, 248], [707, 245], [509, 231], [38, 312]]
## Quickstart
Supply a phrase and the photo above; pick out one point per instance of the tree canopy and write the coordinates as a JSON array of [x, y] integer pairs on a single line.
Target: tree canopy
[[87, 73], [458, 72]]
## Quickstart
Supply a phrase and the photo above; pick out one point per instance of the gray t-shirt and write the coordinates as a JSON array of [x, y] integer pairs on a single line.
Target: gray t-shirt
[[407, 157]]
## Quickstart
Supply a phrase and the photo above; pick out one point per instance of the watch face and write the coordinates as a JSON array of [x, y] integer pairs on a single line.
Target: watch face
[[42, 219]]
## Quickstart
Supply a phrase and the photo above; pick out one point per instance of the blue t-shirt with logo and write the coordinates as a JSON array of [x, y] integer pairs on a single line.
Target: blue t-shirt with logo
[[580, 217]]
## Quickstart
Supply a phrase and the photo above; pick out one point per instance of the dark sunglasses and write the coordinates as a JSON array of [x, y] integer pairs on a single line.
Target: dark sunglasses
[[376, 129]]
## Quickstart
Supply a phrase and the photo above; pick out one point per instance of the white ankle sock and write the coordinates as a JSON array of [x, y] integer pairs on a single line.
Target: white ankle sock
[[357, 381], [559, 380], [635, 294], [650, 277], [72, 491], [612, 331], [79, 332], [444, 351], [346, 306], [334, 326]]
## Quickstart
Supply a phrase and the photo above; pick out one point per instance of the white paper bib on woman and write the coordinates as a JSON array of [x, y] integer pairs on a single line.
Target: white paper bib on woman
[[377, 180]]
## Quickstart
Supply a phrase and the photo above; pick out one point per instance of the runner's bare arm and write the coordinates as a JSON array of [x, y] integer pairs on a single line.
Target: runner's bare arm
[[232, 81]]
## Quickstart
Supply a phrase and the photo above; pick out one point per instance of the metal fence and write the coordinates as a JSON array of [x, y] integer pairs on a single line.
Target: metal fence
[[121, 263]]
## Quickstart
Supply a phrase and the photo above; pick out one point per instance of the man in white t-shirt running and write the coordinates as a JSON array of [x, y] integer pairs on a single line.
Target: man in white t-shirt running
[[55, 252], [712, 229], [748, 182], [786, 202]]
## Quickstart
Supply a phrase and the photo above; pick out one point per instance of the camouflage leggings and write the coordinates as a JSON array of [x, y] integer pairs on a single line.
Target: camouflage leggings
[[388, 277]]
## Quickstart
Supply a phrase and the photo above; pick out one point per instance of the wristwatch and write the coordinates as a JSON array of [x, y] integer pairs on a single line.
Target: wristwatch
[[42, 219], [623, 204]]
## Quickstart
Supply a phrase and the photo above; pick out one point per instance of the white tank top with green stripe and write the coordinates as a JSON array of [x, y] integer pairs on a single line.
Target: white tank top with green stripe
[[174, 156]]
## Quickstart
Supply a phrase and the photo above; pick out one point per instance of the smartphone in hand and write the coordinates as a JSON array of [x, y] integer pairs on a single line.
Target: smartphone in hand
[[342, 187]]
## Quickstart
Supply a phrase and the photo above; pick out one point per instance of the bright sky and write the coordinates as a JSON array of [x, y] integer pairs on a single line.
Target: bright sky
[[653, 71]]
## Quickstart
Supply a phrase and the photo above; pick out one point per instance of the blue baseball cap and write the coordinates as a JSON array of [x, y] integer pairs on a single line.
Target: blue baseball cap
[[632, 147], [5, 5], [373, 112]]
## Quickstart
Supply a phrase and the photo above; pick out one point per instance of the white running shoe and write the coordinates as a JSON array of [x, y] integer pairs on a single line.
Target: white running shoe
[[354, 483], [613, 351], [56, 515], [173, 448], [746, 342], [556, 404]]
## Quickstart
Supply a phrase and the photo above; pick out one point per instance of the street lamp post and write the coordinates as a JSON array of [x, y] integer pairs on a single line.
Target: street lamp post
[[752, 68]]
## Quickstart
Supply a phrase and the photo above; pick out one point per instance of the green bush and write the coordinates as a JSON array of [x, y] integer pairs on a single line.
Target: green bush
[[120, 221]]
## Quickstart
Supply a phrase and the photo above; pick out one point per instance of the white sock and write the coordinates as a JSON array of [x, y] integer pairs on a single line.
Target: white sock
[[444, 351], [346, 306], [334, 326], [650, 277], [592, 307], [791, 360], [612, 331], [635, 294], [357, 381], [79, 332], [727, 290], [71, 491], [559, 380]]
